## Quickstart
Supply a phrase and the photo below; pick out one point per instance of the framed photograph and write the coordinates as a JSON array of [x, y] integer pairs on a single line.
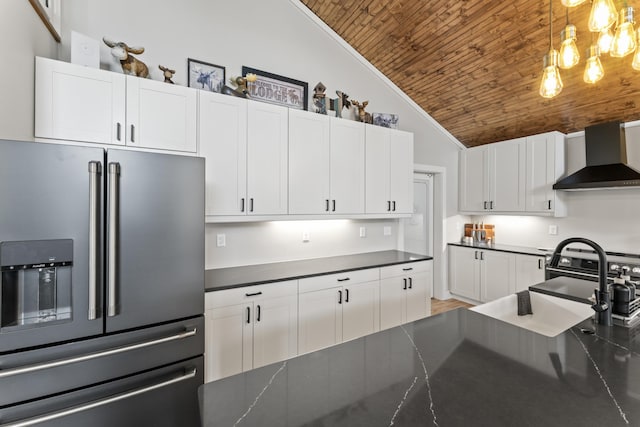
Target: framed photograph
[[205, 76], [385, 120], [278, 90]]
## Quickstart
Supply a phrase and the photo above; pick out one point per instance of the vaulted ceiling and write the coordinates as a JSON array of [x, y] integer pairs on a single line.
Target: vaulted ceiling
[[475, 66]]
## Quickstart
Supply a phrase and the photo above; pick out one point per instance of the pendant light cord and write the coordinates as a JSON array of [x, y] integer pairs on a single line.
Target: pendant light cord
[[550, 24]]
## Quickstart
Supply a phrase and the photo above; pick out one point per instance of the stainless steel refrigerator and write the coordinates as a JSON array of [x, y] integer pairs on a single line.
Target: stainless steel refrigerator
[[101, 286]]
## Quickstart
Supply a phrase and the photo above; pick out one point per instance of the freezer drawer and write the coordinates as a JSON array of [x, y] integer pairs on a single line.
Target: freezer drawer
[[42, 372], [165, 396]]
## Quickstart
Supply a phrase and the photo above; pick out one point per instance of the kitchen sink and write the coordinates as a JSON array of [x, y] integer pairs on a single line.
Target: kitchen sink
[[551, 315]]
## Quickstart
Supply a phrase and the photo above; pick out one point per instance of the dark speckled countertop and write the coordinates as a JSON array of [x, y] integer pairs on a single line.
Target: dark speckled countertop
[[506, 248], [458, 368], [234, 277]]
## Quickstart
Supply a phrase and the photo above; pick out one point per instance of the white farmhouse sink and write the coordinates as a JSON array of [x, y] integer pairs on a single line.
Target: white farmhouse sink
[[551, 315]]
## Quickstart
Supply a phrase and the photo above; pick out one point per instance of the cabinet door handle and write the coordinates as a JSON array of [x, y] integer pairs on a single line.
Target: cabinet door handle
[[485, 205], [475, 255], [251, 204], [133, 133], [258, 314], [254, 294], [410, 283], [118, 130], [481, 256], [327, 205], [242, 205], [344, 280], [346, 298], [334, 206], [404, 287], [339, 297], [388, 205], [394, 205], [407, 269], [491, 205], [248, 314], [549, 204], [539, 264]]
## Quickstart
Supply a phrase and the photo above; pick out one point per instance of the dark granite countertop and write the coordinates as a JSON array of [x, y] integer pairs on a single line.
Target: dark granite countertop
[[458, 368], [567, 287], [234, 277], [505, 248]]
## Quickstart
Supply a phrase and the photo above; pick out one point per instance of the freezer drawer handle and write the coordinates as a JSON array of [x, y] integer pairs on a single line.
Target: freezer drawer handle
[[95, 170], [114, 196], [84, 358], [102, 402]]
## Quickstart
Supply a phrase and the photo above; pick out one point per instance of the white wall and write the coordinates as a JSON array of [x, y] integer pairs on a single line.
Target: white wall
[[278, 37], [609, 217], [23, 36]]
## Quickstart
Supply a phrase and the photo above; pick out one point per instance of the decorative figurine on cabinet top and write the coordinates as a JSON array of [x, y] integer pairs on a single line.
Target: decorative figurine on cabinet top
[[130, 64], [362, 116], [339, 103], [319, 98], [168, 74], [240, 83]]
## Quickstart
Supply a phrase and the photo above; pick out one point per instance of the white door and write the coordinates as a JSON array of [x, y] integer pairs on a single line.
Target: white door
[[228, 340], [419, 295], [223, 143], [267, 153], [79, 103], [540, 173], [377, 170], [529, 271], [401, 171], [275, 330], [507, 173], [393, 300], [361, 310], [161, 115], [309, 145], [464, 272], [473, 179], [418, 230], [347, 166], [319, 319], [497, 274]]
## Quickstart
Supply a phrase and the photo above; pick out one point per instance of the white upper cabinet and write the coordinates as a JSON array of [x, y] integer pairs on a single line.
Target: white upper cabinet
[[389, 171], [513, 176], [83, 104], [347, 166]]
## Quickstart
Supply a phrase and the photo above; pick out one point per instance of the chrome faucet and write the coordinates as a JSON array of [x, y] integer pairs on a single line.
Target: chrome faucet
[[602, 307]]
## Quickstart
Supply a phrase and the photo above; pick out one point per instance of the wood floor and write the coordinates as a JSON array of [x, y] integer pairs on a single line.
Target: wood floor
[[440, 306]]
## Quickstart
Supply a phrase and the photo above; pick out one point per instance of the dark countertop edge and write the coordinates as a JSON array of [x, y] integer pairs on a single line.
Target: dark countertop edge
[[323, 273], [562, 295], [503, 248]]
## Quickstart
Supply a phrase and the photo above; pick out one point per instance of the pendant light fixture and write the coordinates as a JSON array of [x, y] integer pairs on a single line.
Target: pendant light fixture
[[572, 3], [603, 15], [569, 55], [593, 70], [636, 58], [604, 40], [624, 42], [551, 83]]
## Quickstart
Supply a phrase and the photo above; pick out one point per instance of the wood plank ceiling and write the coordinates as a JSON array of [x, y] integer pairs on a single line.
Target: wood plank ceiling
[[475, 66]]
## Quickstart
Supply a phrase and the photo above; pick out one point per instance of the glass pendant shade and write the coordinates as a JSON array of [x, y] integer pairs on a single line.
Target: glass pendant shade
[[602, 16], [572, 3], [636, 58], [551, 83], [624, 42], [593, 70], [569, 55], [605, 40]]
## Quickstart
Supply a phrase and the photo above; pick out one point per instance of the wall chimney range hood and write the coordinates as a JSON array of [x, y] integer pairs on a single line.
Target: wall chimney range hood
[[606, 153]]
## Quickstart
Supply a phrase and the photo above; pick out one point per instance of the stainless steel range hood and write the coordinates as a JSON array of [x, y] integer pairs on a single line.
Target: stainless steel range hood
[[606, 153]]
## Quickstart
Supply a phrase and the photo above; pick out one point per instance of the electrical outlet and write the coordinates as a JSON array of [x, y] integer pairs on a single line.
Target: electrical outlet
[[553, 230], [305, 236], [221, 240], [363, 232], [387, 231]]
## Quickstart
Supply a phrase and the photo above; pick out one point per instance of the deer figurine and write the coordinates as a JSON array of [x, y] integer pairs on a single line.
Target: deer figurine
[[363, 116], [130, 64], [168, 74]]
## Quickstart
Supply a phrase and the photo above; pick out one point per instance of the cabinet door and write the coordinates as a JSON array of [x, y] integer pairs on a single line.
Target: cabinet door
[[419, 295], [497, 274], [473, 179], [540, 167], [401, 171], [223, 143], [377, 169], [228, 341], [267, 142], [161, 115], [309, 145], [320, 319], [464, 272], [361, 310], [506, 176], [347, 166], [393, 301], [275, 330], [79, 103], [529, 271]]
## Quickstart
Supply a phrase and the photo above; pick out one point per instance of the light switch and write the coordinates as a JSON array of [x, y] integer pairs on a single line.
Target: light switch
[[305, 236], [363, 231], [221, 240]]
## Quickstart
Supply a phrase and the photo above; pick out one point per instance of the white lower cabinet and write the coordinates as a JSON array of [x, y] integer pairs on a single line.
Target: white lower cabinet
[[405, 293], [250, 327], [337, 307], [529, 271]]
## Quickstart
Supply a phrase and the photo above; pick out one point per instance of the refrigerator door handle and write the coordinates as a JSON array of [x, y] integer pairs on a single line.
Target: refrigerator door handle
[[97, 403], [85, 357], [114, 196], [95, 169]]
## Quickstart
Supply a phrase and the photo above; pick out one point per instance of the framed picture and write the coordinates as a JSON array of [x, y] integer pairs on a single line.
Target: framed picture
[[278, 90], [205, 76], [385, 120], [50, 13]]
